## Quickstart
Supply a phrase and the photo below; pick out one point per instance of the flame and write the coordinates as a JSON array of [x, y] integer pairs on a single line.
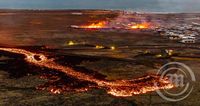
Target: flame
[[122, 88], [140, 26], [101, 24]]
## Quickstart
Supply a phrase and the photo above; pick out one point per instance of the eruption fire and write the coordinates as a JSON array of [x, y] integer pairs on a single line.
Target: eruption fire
[[95, 25], [140, 26], [122, 88], [122, 22]]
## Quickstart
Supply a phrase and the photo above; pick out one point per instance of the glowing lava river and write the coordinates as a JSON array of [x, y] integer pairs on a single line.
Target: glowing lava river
[[122, 88]]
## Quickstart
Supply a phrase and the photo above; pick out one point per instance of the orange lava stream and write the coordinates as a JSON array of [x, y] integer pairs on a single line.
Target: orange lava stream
[[95, 25], [140, 26], [122, 88]]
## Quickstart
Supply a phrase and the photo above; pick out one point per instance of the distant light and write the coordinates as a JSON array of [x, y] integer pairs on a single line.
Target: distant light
[[112, 47], [170, 52], [99, 47], [159, 55], [71, 43]]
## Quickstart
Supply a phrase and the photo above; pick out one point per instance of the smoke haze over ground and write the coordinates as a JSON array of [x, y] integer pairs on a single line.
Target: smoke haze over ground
[[137, 5]]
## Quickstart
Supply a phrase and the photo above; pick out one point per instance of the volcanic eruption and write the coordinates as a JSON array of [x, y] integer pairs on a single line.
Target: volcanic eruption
[[97, 25]]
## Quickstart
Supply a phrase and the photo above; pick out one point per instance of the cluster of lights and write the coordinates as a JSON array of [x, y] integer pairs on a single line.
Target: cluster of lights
[[99, 47]]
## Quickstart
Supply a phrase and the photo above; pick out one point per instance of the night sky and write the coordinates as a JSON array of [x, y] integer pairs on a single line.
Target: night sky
[[137, 5]]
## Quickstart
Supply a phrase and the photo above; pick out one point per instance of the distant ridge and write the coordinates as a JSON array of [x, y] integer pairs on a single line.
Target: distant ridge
[[82, 10]]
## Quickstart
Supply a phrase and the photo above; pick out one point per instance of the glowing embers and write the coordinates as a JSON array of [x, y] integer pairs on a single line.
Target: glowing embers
[[59, 83], [140, 26], [98, 25], [141, 85]]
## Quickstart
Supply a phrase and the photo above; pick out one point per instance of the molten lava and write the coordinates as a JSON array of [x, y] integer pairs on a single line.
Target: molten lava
[[122, 88], [101, 24], [140, 26]]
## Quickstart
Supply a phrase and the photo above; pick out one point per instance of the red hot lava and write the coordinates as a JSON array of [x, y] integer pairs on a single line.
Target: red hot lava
[[122, 88], [100, 24], [140, 26]]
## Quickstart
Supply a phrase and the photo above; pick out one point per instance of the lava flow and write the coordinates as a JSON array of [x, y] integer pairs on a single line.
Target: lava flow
[[122, 88], [95, 25], [140, 26]]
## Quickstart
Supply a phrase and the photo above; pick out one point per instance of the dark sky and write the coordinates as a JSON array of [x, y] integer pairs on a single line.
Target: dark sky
[[137, 5]]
